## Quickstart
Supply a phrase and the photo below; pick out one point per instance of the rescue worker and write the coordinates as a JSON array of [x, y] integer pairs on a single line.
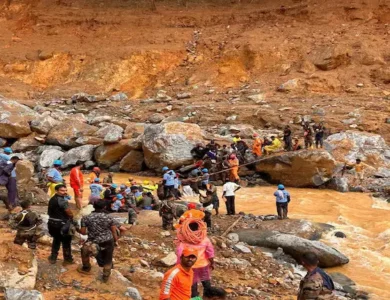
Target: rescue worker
[[308, 135], [109, 195], [215, 200], [274, 147], [109, 179], [96, 191], [6, 155], [229, 191], [177, 282], [319, 134], [257, 144], [287, 138], [282, 200], [94, 174], [168, 181], [168, 212], [359, 168], [54, 177], [198, 152], [27, 223], [7, 171], [207, 207], [76, 182], [236, 138], [60, 215], [190, 213], [102, 236], [213, 146], [296, 146], [316, 285], [233, 164], [205, 178]]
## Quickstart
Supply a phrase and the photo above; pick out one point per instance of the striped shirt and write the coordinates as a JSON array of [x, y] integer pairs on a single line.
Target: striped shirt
[[177, 284]]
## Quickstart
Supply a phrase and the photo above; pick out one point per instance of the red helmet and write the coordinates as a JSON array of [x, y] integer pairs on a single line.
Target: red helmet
[[96, 169], [191, 205], [232, 156]]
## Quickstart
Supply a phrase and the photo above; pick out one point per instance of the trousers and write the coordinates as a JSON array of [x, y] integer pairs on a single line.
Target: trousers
[[230, 205], [282, 209], [103, 253], [58, 240]]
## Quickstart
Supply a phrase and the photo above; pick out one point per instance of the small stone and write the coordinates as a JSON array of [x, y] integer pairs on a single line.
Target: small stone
[[156, 118], [231, 118], [233, 237], [285, 108], [360, 85], [241, 248], [144, 263], [340, 234], [165, 233], [169, 260], [133, 293], [183, 95], [146, 246]]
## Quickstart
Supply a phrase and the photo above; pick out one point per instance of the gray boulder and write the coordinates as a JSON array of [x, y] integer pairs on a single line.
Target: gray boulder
[[170, 144], [133, 293], [43, 124], [82, 153], [294, 246], [156, 118], [48, 157], [18, 294], [110, 133], [40, 149]]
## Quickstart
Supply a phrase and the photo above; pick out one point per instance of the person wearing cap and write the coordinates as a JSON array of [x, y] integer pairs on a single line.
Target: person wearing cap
[[229, 190], [59, 215], [282, 199], [168, 181], [109, 195], [109, 179], [96, 191], [4, 157], [101, 229], [54, 176], [177, 281], [118, 204], [234, 164], [205, 178], [76, 182], [94, 174], [257, 144], [167, 212], [275, 146], [7, 171]]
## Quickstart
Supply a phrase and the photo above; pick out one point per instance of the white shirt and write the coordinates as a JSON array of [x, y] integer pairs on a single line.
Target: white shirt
[[229, 188]]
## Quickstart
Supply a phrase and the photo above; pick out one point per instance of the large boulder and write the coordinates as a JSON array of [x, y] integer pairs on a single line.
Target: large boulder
[[349, 145], [306, 168], [294, 245], [134, 130], [14, 119], [82, 153], [169, 144], [132, 162], [66, 133], [108, 155], [48, 157], [43, 124], [26, 143], [110, 134]]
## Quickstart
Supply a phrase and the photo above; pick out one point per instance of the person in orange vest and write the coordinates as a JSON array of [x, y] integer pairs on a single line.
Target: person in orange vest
[[94, 174], [190, 213], [77, 182], [234, 163], [257, 144], [177, 282]]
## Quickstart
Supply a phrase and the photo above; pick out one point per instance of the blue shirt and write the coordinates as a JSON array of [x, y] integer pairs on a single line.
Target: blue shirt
[[116, 205], [4, 157], [281, 196], [55, 174], [169, 178], [205, 178], [96, 189]]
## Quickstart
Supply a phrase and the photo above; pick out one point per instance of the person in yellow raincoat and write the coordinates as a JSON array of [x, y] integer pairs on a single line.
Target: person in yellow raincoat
[[234, 163], [257, 144], [274, 147]]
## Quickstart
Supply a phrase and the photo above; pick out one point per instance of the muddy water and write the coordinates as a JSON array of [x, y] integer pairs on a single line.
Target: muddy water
[[366, 223]]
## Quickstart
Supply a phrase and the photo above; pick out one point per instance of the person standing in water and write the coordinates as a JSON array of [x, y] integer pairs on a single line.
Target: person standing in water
[[282, 200]]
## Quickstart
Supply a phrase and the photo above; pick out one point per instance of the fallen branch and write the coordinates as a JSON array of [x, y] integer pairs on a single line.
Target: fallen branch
[[231, 227]]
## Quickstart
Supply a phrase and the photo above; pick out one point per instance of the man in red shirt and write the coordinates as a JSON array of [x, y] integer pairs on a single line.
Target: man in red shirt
[[177, 281], [77, 182]]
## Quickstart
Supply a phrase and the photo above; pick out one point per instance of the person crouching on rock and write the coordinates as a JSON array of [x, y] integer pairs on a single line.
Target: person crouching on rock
[[316, 284], [102, 236], [27, 222], [282, 200], [168, 212]]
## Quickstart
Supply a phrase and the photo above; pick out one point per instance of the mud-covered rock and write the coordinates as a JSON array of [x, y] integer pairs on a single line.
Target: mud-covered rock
[[82, 153], [132, 162], [14, 119], [108, 155], [294, 246], [329, 58], [170, 144], [314, 168], [134, 130], [26, 143]]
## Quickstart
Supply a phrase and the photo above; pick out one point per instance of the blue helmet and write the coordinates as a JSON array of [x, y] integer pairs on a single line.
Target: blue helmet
[[8, 150], [280, 187], [114, 185], [57, 162], [97, 179], [119, 197], [205, 170], [165, 169], [123, 186]]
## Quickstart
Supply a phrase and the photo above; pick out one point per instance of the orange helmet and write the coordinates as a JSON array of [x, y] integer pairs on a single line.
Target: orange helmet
[[191, 205]]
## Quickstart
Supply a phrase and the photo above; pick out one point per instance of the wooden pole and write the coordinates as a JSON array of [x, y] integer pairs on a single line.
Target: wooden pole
[[231, 226]]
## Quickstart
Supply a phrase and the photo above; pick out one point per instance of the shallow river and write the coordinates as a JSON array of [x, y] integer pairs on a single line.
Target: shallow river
[[364, 220]]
